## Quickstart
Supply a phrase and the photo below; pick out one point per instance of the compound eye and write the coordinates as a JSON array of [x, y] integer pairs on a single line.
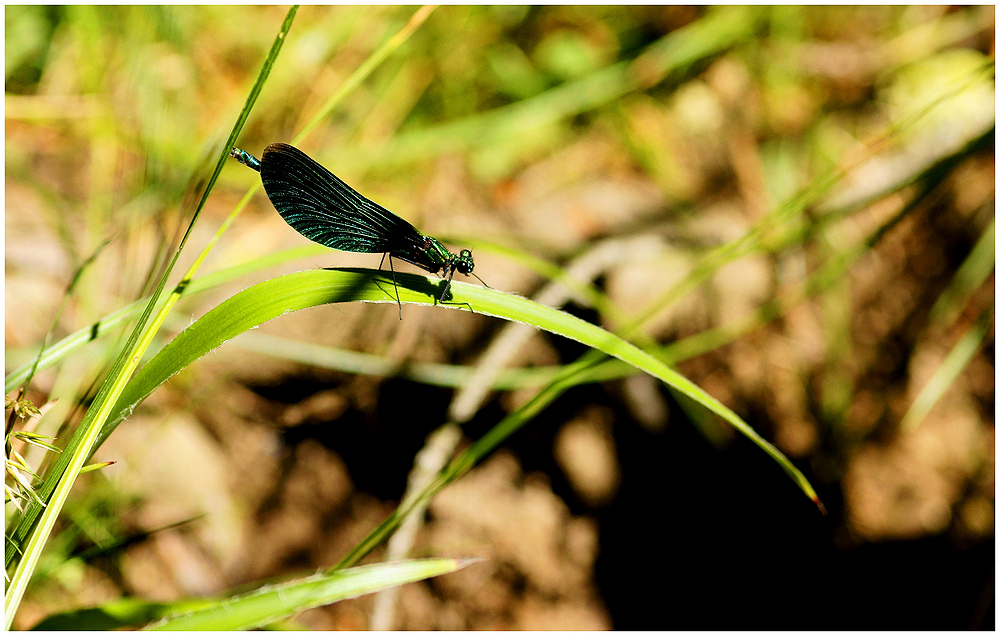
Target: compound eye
[[465, 263]]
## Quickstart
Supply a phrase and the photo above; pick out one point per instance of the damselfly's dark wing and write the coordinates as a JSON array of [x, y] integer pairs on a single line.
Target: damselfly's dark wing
[[324, 209]]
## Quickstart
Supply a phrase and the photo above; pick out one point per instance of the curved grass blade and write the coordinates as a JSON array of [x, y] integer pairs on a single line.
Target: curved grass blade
[[292, 292]]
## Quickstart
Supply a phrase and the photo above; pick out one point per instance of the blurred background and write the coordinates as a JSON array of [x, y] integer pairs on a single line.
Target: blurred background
[[799, 200]]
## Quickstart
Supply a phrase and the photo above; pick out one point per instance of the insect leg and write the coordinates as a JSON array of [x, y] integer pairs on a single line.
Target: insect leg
[[394, 286], [446, 294]]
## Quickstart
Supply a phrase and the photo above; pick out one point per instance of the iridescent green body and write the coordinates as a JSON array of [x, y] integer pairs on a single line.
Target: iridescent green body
[[324, 209]]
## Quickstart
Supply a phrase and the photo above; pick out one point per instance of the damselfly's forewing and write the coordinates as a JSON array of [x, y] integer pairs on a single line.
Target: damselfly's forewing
[[324, 209]]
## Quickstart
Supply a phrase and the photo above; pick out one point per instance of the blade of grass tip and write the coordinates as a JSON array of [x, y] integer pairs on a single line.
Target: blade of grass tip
[[61, 481], [273, 602], [589, 359], [366, 68]]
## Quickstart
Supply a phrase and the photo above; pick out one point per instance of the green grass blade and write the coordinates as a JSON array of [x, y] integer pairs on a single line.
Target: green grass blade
[[950, 368], [274, 602]]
